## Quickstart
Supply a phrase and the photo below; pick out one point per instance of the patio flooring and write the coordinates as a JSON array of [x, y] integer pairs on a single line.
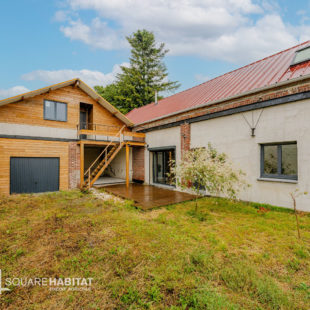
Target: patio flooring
[[147, 196]]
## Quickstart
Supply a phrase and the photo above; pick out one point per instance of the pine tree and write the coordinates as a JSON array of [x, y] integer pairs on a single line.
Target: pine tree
[[135, 86]]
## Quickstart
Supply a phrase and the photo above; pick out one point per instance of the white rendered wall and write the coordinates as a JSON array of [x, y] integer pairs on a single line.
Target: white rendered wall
[[118, 165], [36, 131], [161, 138], [231, 134], [48, 132]]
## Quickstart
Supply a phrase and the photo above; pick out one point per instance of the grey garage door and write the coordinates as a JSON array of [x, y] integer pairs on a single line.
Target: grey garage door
[[34, 174]]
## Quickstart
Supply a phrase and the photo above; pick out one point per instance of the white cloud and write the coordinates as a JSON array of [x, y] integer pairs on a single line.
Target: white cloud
[[201, 78], [97, 34], [232, 30], [91, 78], [13, 91], [267, 36], [60, 16]]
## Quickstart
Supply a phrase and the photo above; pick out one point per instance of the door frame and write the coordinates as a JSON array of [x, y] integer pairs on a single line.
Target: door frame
[[88, 109], [152, 152]]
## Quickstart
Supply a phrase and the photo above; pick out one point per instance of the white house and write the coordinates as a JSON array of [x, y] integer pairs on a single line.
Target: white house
[[259, 115]]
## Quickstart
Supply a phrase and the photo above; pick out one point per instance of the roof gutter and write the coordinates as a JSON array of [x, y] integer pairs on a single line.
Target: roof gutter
[[251, 92]]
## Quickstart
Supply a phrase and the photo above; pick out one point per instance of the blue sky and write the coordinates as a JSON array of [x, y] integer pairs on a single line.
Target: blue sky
[[45, 42]]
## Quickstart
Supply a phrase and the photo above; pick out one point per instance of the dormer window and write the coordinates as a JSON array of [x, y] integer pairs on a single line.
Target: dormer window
[[301, 55]]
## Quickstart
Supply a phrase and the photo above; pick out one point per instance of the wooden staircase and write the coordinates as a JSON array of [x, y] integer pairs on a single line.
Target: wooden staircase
[[99, 165]]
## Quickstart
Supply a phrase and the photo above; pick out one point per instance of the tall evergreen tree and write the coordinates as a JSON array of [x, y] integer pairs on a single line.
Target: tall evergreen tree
[[135, 86]]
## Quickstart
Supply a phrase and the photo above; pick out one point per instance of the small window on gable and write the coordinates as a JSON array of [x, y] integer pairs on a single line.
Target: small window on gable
[[279, 161], [301, 55], [55, 111]]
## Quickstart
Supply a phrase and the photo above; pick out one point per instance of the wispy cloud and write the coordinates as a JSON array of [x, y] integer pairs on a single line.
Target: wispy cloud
[[200, 78], [92, 78], [60, 16], [13, 91], [232, 30]]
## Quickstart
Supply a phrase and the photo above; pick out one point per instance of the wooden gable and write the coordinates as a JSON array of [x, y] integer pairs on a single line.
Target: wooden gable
[[30, 111]]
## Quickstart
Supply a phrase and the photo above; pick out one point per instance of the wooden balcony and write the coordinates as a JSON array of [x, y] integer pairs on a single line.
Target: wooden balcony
[[107, 132]]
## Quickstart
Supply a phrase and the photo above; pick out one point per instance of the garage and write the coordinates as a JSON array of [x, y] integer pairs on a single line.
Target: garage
[[34, 174]]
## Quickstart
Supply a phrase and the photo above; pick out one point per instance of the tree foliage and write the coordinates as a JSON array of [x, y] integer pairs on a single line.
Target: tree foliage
[[135, 86], [111, 94], [206, 168]]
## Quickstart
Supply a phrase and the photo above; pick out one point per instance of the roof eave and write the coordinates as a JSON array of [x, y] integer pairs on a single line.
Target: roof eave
[[82, 85], [251, 92], [36, 92], [105, 104]]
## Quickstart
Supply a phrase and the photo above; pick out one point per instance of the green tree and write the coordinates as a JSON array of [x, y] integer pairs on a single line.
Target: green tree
[[209, 170], [135, 86], [111, 94]]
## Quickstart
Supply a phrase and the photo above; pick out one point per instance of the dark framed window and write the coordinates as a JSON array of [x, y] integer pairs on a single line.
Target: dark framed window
[[279, 161], [162, 158], [55, 111]]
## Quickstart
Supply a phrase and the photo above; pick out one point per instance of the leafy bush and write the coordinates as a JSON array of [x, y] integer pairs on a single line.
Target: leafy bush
[[207, 169]]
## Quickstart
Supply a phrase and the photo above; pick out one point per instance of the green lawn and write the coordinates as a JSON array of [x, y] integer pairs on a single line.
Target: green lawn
[[229, 256]]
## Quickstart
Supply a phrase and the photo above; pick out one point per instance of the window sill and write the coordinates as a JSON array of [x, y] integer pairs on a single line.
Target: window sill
[[278, 180], [54, 120]]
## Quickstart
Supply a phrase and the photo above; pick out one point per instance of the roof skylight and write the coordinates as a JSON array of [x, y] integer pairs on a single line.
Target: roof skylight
[[301, 55]]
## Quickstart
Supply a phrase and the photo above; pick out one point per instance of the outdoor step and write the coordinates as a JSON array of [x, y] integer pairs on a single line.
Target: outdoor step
[[95, 173]]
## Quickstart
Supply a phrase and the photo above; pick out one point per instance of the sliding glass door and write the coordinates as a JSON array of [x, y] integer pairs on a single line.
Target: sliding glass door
[[162, 166]]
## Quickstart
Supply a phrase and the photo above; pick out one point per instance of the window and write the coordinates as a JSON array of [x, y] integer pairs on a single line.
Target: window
[[301, 55], [55, 111], [279, 161], [162, 166]]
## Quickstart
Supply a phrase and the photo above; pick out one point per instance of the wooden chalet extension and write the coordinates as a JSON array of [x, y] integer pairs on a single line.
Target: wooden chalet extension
[[64, 136]]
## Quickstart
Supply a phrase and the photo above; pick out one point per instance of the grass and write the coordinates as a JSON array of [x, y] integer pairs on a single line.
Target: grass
[[231, 255]]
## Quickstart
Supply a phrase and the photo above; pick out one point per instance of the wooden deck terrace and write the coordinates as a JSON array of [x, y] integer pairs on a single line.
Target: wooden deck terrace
[[148, 197]]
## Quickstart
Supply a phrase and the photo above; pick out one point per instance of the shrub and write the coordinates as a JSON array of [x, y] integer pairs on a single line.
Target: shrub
[[209, 170]]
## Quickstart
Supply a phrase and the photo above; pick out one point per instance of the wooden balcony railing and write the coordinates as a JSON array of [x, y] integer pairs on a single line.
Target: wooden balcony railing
[[91, 131]]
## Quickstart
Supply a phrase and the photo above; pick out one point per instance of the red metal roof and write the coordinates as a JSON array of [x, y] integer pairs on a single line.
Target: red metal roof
[[262, 73]]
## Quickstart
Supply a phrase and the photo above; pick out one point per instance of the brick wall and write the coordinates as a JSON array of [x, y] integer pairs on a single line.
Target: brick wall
[[185, 131], [74, 165], [138, 163]]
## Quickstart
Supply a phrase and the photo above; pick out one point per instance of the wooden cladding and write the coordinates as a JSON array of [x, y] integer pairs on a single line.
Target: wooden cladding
[[134, 134], [32, 148], [30, 111]]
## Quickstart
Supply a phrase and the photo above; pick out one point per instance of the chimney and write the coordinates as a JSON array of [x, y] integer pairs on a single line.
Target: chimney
[[156, 99]]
